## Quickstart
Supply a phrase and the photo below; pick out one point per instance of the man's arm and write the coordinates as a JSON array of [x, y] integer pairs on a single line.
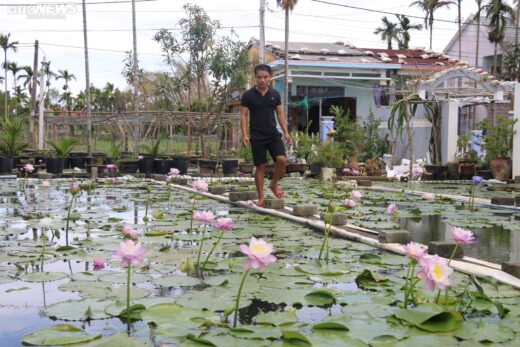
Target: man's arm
[[243, 125], [283, 123]]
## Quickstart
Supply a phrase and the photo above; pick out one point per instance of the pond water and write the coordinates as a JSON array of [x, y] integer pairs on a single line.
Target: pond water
[[292, 302]]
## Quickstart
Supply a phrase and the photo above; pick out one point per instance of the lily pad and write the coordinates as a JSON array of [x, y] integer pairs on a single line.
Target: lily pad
[[276, 318], [43, 276], [320, 297], [78, 310], [61, 334]]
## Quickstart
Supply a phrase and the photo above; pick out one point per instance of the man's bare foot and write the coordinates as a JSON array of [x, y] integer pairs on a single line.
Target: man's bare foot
[[277, 191], [260, 202]]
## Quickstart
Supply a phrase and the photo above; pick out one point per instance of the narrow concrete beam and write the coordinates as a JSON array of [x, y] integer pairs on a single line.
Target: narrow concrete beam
[[395, 236], [304, 210], [275, 204], [180, 181], [160, 178], [217, 190], [251, 195], [94, 172], [512, 268], [45, 176], [445, 249], [364, 183], [237, 196], [503, 201], [339, 219]]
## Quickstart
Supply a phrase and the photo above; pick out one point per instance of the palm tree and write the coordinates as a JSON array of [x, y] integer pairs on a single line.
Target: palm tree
[[498, 12], [15, 69], [6, 45], [429, 7], [286, 5], [404, 30], [389, 32], [66, 77], [479, 4], [27, 76]]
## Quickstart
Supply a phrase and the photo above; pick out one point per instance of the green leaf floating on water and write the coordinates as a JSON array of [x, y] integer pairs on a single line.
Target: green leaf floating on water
[[43, 276], [320, 297], [116, 340], [277, 318], [484, 333], [431, 317], [330, 326], [61, 334], [295, 338], [369, 279], [78, 310]]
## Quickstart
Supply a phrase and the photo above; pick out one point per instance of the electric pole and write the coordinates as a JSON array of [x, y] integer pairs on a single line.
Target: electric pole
[[135, 82], [261, 54], [32, 137], [87, 79]]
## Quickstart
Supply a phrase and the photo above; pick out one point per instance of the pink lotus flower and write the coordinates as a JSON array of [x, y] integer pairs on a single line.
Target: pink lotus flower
[[205, 217], [129, 253], [355, 172], [174, 172], [111, 166], [29, 168], [200, 186], [349, 203], [99, 264], [46, 184], [129, 232], [224, 224], [417, 171], [74, 189], [428, 196], [463, 236], [391, 209], [435, 272], [356, 195], [258, 253], [250, 202], [346, 170], [414, 251]]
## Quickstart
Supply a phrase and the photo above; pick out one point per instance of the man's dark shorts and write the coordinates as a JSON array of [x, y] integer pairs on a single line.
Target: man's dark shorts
[[274, 145]]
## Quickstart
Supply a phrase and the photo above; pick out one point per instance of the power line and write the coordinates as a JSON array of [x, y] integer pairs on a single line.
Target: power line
[[119, 30], [395, 13], [75, 3]]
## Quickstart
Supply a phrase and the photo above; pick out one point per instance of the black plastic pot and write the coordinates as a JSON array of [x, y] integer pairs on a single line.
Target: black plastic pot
[[230, 166], [181, 164], [315, 170], [436, 172], [146, 165], [162, 166], [78, 162], [6, 165], [208, 166], [128, 166], [55, 165]]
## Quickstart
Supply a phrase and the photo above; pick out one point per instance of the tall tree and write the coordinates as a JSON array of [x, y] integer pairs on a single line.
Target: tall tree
[[66, 76], [405, 26], [15, 69], [499, 13], [517, 19], [479, 10], [27, 77], [287, 6], [388, 32], [429, 7], [6, 45]]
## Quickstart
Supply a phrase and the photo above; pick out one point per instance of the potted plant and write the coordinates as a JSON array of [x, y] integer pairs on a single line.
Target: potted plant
[[349, 135], [329, 156], [56, 163], [467, 158], [498, 142], [151, 153], [246, 156], [304, 148], [230, 164], [10, 144]]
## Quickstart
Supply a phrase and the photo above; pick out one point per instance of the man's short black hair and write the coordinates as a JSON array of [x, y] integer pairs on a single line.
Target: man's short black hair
[[263, 67]]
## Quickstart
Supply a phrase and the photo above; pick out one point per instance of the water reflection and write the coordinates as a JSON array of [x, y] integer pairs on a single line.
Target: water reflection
[[494, 244]]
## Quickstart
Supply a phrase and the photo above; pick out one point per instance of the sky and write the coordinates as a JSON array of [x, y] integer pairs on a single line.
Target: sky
[[110, 29]]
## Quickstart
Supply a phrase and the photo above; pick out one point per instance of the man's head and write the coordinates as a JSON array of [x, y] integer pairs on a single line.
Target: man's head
[[262, 75]]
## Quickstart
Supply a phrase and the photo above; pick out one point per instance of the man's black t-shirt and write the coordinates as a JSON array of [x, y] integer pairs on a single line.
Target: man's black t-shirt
[[262, 122]]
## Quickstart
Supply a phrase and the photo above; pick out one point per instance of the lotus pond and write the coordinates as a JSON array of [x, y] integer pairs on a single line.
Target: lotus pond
[[53, 295]]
